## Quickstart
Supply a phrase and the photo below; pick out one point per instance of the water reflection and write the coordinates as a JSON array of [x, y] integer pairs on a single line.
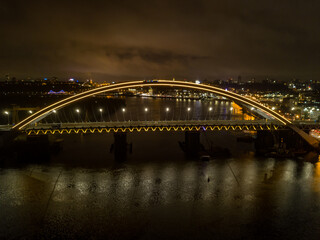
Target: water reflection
[[135, 110], [235, 188]]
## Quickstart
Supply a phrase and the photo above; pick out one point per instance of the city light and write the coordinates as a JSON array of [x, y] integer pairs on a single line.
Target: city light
[[75, 98], [210, 108], [292, 108], [273, 108], [30, 112], [231, 108], [100, 110], [54, 111], [7, 113], [77, 110], [188, 109], [123, 109], [167, 109], [146, 109]]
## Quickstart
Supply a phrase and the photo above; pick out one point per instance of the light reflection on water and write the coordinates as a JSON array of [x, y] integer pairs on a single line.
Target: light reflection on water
[[244, 196], [158, 186]]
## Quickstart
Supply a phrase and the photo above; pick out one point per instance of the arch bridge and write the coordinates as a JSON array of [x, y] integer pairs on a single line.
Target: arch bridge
[[280, 120]]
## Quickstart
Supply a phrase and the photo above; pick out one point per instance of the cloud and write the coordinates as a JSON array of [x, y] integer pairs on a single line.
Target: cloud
[[189, 39]]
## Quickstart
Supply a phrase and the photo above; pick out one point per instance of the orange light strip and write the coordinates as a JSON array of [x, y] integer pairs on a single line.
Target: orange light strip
[[147, 128]]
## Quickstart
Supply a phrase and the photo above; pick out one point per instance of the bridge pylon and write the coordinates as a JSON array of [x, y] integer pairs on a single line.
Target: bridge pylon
[[120, 147], [192, 143]]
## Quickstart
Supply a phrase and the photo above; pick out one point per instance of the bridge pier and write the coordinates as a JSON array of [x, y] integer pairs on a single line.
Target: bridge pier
[[119, 146], [192, 143], [281, 141], [265, 142]]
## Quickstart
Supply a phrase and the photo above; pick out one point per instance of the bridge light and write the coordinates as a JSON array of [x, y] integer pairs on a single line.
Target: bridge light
[[77, 110], [123, 109], [30, 111], [146, 109], [252, 108], [210, 108], [292, 109], [7, 113], [54, 111], [231, 108], [273, 108], [197, 82], [167, 109], [188, 109], [100, 110]]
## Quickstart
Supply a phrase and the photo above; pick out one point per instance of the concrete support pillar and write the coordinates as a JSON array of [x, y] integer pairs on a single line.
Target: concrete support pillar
[[278, 141], [192, 141], [35, 148], [120, 146], [265, 142]]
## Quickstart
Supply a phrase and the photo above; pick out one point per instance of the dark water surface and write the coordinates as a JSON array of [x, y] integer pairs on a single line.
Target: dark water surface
[[158, 193], [82, 193]]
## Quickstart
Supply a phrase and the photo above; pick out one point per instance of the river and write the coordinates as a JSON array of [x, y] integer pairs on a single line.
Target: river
[[158, 193]]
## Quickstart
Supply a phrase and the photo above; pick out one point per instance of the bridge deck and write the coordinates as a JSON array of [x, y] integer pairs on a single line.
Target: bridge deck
[[131, 126]]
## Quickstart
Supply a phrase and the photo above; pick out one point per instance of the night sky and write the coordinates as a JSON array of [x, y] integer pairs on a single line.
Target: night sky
[[124, 40]]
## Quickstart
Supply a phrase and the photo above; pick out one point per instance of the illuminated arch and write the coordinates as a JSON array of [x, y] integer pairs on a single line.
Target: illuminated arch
[[132, 84]]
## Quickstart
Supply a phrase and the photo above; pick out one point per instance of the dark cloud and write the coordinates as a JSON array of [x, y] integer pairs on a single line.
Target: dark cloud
[[139, 39], [149, 55]]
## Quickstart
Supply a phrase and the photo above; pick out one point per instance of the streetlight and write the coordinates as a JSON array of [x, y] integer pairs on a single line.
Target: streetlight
[[167, 110], [7, 113], [145, 115], [55, 113], [188, 110], [273, 108], [210, 110], [78, 111], [30, 111], [123, 111], [101, 110]]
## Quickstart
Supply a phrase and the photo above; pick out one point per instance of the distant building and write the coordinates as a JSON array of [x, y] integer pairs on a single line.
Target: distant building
[[239, 79]]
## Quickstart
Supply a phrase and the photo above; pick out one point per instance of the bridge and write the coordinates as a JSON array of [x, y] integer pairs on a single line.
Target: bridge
[[138, 126], [28, 124]]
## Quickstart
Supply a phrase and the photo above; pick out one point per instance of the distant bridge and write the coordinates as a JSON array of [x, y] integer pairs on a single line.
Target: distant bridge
[[163, 83]]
